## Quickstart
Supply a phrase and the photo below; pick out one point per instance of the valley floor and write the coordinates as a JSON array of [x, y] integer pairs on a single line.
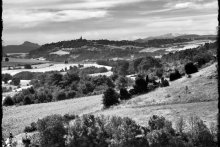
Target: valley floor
[[171, 102]]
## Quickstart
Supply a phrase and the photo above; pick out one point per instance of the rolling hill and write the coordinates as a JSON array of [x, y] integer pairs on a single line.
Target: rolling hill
[[178, 36], [23, 48], [170, 102]]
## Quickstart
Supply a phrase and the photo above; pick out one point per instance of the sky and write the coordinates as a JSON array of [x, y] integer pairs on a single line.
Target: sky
[[46, 21]]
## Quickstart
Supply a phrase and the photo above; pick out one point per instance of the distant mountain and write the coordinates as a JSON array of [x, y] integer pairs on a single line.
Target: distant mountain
[[177, 36], [23, 48], [196, 37], [165, 36]]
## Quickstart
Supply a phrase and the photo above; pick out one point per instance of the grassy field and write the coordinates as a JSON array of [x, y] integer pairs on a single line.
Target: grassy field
[[56, 66], [170, 102], [21, 62]]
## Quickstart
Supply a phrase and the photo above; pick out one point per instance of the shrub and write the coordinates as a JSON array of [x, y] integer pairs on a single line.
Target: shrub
[[27, 100], [124, 95], [199, 134], [180, 125], [8, 101], [71, 94], [6, 59], [110, 97], [6, 77], [121, 82], [26, 141], [15, 81], [60, 95], [158, 138], [174, 76], [202, 58], [132, 92], [159, 122], [27, 66], [164, 82], [159, 72], [52, 131], [101, 131], [68, 117], [140, 85], [190, 68], [31, 128]]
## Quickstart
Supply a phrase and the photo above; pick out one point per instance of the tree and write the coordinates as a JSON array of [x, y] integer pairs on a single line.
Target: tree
[[55, 79], [6, 59], [124, 95], [15, 81], [175, 75], [27, 66], [6, 77], [140, 85], [60, 95], [190, 68], [27, 100], [159, 72], [121, 82], [52, 131], [110, 97], [8, 101], [69, 78]]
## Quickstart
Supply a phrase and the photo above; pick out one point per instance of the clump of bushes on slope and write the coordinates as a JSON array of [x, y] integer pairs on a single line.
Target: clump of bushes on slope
[[124, 94], [31, 128], [106, 131], [53, 86], [110, 97], [27, 66], [190, 68], [6, 77], [8, 101], [175, 75]]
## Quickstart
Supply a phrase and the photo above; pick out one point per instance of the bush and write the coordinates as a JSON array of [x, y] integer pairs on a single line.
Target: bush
[[202, 58], [27, 100], [159, 72], [101, 131], [71, 94], [8, 101], [140, 85], [31, 128], [190, 68], [6, 77], [60, 95], [110, 97], [27, 66], [124, 95], [199, 134], [15, 81], [68, 117], [122, 82], [52, 131], [6, 59], [164, 82], [174, 76]]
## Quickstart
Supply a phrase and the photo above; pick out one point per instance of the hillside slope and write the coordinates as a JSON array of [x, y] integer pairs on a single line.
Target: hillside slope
[[23, 48], [171, 102]]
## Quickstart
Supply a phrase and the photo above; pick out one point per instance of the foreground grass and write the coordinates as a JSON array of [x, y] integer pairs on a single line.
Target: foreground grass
[[170, 102]]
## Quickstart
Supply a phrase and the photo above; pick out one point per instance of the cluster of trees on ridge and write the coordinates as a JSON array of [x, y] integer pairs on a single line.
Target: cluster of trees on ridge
[[112, 131], [103, 51]]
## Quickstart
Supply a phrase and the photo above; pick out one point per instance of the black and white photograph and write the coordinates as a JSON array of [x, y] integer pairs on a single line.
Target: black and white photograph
[[109, 73]]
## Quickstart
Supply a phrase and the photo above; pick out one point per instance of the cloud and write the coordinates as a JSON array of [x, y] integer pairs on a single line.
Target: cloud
[[56, 20], [197, 4], [31, 18]]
